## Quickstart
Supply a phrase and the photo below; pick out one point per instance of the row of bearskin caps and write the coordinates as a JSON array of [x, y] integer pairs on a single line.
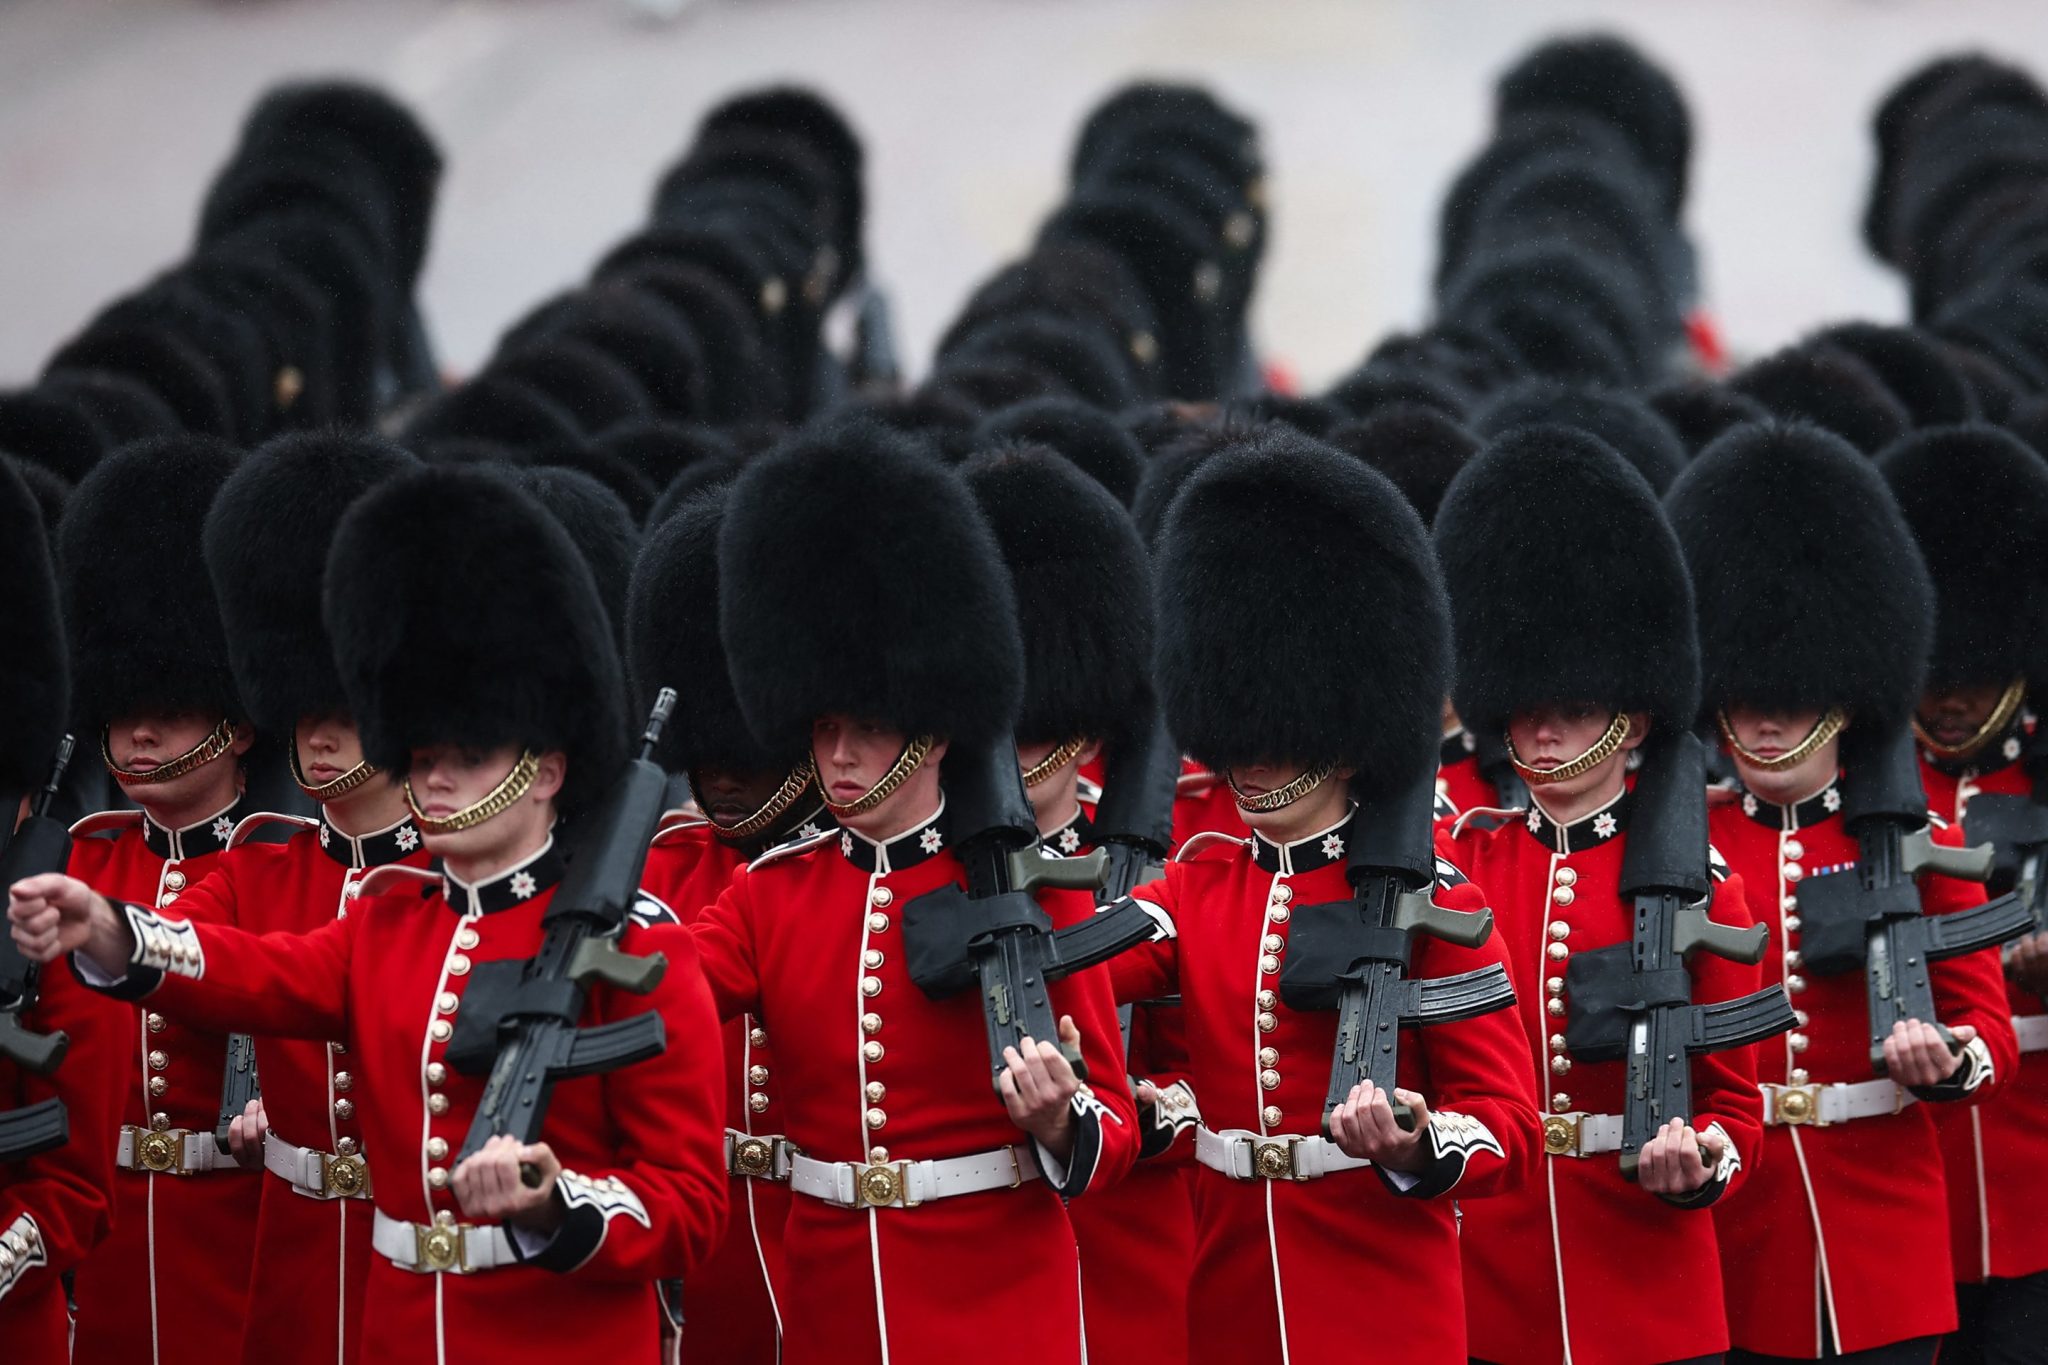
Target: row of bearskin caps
[[262, 503]]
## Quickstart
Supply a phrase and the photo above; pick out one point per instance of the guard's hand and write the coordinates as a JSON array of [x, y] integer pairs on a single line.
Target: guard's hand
[[1039, 1087], [246, 1133], [1678, 1160], [489, 1189], [1915, 1055], [1363, 1126], [53, 914], [2026, 963]]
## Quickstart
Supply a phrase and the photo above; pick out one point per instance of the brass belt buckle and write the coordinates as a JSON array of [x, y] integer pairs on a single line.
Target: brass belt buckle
[[158, 1150], [1798, 1106], [883, 1185], [1276, 1160], [437, 1246], [1562, 1134], [346, 1176], [754, 1157]]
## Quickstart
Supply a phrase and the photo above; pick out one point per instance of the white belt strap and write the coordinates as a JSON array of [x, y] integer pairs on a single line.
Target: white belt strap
[[758, 1156], [315, 1174], [441, 1247], [1245, 1155], [1579, 1134], [906, 1184], [168, 1151], [2033, 1031], [1818, 1106]]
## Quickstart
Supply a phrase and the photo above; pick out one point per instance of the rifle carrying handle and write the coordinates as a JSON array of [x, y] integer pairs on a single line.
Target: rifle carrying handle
[[1922, 854], [1465, 928]]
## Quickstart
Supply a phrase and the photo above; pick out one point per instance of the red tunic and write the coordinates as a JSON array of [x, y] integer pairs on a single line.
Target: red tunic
[[55, 1207], [1994, 1153], [1137, 1238], [306, 1292], [171, 1282], [1580, 1264], [1846, 1227], [808, 940], [1459, 784], [1204, 804], [729, 1303], [1278, 1264], [641, 1145]]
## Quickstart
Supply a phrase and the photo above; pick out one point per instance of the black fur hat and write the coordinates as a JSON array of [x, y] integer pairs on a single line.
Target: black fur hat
[[462, 613], [1913, 365], [138, 604], [266, 540], [1603, 75], [1811, 592], [593, 388], [597, 520], [857, 575], [1083, 591], [1830, 388], [1417, 447], [1566, 583], [50, 430], [124, 409], [1169, 470], [811, 118], [1976, 498], [1636, 433], [1092, 439], [492, 408], [672, 640], [1301, 617], [1701, 409], [35, 673]]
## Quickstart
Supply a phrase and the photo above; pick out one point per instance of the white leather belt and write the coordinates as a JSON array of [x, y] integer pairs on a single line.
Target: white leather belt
[[1581, 1134], [1245, 1155], [1817, 1106], [168, 1151], [906, 1184], [317, 1175], [758, 1156], [2032, 1030], [443, 1247]]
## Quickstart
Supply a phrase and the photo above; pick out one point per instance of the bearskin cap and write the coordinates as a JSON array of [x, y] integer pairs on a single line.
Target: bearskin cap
[[1301, 618], [1083, 591], [1417, 447], [1811, 592], [35, 675], [266, 540], [1701, 409], [1913, 365], [597, 520], [1605, 76], [1092, 439], [1636, 433], [462, 613], [856, 575], [138, 605], [1976, 499], [1830, 388], [1566, 583]]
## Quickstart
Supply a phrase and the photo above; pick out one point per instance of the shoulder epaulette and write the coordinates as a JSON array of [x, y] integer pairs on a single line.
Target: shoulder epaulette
[[106, 823], [791, 849], [674, 823], [1717, 866], [249, 824], [383, 881], [1195, 843], [1194, 784], [649, 910], [1489, 817]]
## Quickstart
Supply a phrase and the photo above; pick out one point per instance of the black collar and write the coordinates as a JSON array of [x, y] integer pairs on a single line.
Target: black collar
[[369, 850], [210, 835], [1822, 805], [1458, 745], [1069, 839], [514, 886], [921, 841], [1320, 849], [1609, 822], [2020, 740]]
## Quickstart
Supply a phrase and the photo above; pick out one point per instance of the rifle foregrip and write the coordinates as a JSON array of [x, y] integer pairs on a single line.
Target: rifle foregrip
[[1031, 870], [1921, 854], [598, 959], [1464, 928], [1693, 931]]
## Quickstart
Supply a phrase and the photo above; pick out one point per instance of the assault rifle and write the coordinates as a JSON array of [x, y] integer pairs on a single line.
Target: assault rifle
[[42, 844], [992, 934], [519, 1018], [1353, 955], [1871, 916], [238, 1085]]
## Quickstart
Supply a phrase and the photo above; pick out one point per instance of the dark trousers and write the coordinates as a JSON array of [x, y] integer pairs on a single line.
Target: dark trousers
[[1918, 1351], [2004, 1322]]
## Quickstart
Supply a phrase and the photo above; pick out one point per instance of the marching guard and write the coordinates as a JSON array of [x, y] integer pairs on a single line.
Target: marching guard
[[1575, 642], [1816, 617], [481, 672], [865, 613]]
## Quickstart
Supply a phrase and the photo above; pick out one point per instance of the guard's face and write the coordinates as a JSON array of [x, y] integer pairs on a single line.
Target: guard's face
[[853, 755], [1547, 737], [1773, 734], [329, 747], [1770, 734], [1954, 715], [447, 778], [728, 795], [144, 743]]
